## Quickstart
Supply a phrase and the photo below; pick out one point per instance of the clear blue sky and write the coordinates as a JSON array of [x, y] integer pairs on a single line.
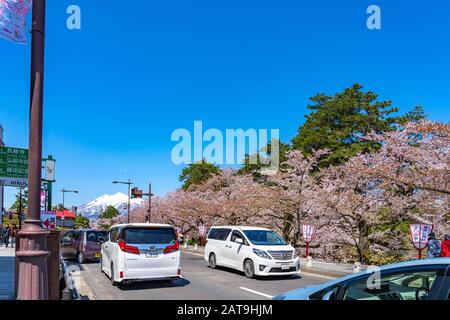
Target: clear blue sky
[[137, 70]]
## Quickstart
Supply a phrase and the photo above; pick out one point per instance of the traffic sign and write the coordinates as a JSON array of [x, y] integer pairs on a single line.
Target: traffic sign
[[13, 167], [48, 219]]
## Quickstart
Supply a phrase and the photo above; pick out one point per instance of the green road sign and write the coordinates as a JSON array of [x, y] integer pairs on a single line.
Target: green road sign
[[13, 167]]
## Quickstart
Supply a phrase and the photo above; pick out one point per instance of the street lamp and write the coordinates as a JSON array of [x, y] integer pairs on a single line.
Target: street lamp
[[64, 191], [129, 183]]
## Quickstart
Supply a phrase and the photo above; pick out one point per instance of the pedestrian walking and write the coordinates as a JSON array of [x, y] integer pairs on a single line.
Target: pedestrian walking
[[434, 246], [445, 247], [6, 235], [14, 232]]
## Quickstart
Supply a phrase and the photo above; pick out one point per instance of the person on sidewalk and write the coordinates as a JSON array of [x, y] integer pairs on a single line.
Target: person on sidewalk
[[6, 234], [434, 246], [14, 232], [445, 247]]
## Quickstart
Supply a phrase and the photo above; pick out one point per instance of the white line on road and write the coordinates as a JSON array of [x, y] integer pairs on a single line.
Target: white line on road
[[256, 292], [194, 254]]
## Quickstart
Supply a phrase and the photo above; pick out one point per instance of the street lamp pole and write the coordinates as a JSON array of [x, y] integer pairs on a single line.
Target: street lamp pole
[[64, 191], [129, 183], [32, 255]]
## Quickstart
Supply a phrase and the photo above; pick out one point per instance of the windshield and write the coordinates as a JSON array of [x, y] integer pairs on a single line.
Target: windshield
[[149, 236], [264, 238], [96, 236]]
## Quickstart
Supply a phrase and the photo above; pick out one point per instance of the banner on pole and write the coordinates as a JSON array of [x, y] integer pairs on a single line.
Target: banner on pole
[[13, 20], [308, 232], [202, 230], [419, 235]]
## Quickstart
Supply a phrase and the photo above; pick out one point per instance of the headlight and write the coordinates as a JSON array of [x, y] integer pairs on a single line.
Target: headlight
[[262, 254]]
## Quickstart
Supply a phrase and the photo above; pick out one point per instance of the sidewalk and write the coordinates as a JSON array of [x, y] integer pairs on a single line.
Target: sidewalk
[[7, 273], [333, 270]]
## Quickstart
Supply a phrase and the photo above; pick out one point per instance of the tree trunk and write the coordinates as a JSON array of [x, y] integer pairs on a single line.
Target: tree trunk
[[363, 240]]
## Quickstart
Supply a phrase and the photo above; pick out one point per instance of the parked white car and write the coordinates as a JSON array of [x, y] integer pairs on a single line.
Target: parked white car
[[140, 252], [255, 251]]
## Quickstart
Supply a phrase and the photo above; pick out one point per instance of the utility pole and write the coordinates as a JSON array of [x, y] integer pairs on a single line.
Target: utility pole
[[149, 203], [32, 255], [149, 210]]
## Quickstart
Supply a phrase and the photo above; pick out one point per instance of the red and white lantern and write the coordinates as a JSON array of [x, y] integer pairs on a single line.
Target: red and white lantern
[[309, 232], [419, 236]]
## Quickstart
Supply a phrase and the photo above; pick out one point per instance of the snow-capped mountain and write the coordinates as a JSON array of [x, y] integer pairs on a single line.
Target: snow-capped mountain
[[93, 209]]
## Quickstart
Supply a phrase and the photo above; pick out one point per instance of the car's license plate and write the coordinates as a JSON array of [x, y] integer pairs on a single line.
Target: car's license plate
[[151, 253], [97, 255], [285, 267]]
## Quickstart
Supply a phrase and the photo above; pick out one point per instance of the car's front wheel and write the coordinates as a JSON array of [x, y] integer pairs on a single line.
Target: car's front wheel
[[249, 269], [212, 261]]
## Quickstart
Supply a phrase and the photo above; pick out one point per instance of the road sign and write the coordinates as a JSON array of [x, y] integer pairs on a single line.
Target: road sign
[[48, 219], [13, 167]]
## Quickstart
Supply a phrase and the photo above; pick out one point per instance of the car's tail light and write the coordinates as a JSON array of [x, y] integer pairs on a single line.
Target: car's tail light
[[121, 274], [172, 248], [126, 248]]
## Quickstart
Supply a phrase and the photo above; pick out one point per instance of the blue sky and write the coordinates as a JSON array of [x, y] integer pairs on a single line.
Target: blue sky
[[116, 89]]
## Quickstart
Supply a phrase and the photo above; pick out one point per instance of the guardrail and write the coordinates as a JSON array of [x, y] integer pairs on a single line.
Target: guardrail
[[70, 292]]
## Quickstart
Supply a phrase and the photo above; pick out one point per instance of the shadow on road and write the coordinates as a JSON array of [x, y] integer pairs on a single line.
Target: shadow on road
[[269, 278], [161, 284]]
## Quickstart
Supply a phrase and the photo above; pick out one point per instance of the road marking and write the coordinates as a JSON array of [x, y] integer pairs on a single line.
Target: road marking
[[193, 253], [256, 292], [318, 275]]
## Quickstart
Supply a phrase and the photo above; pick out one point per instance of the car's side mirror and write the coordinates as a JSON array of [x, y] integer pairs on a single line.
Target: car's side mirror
[[329, 295], [239, 241]]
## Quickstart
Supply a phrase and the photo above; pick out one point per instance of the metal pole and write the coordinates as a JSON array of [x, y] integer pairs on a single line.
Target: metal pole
[[149, 203], [33, 254], [129, 192], [307, 249], [63, 218], [20, 208]]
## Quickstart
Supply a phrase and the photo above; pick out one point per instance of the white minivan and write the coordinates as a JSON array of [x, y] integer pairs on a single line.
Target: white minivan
[[255, 251], [140, 252]]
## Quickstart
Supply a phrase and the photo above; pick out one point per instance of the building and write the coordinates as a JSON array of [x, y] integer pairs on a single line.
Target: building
[[65, 219]]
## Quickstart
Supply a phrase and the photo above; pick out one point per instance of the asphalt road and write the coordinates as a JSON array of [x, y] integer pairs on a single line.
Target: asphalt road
[[199, 283]]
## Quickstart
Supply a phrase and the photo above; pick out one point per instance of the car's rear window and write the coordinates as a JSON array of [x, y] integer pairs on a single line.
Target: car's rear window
[[96, 236], [149, 235]]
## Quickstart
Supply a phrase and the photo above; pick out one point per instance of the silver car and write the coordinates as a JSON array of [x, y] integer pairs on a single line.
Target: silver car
[[411, 280]]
